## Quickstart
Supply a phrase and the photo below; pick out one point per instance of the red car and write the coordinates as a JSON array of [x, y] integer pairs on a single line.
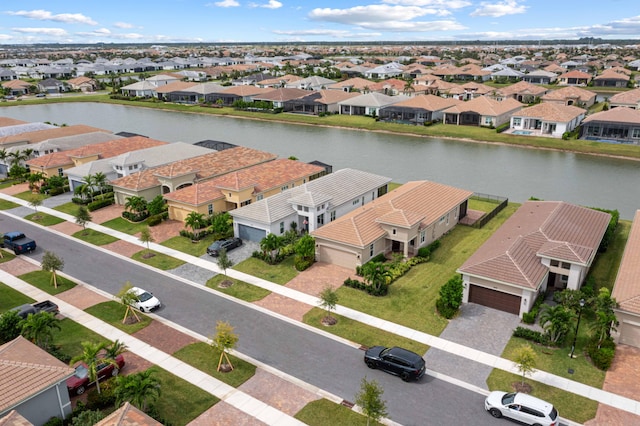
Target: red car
[[78, 383]]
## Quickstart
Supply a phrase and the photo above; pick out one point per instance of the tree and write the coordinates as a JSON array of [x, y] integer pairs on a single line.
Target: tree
[[556, 321], [87, 418], [195, 221], [35, 201], [606, 320], [271, 245], [305, 248], [136, 204], [224, 341], [525, 358], [157, 205], [83, 217], [328, 300], [146, 238], [10, 326], [115, 349], [100, 180], [223, 260], [92, 355], [34, 180], [82, 191], [127, 297], [90, 182], [52, 263], [140, 389], [375, 274], [370, 400], [39, 328], [450, 297], [222, 224]]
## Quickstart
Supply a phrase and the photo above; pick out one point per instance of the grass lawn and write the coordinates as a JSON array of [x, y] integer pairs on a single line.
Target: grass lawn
[[361, 333], [11, 298], [279, 274], [6, 205], [180, 401], [26, 195], [205, 358], [6, 255], [69, 208], [157, 260], [94, 237], [71, 335], [112, 312], [44, 219], [326, 413], [239, 289], [42, 280], [482, 205], [411, 299], [605, 267], [185, 245], [9, 182], [569, 405], [123, 225]]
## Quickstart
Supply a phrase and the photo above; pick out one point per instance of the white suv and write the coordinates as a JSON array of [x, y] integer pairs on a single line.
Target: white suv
[[521, 407]]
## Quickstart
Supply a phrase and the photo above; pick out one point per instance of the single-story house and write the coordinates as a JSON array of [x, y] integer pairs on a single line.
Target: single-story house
[[240, 188], [355, 84], [172, 176], [629, 99], [571, 96], [418, 109], [310, 205], [16, 87], [51, 85], [574, 78], [546, 119], [544, 245], [401, 221], [128, 415], [391, 69], [540, 77], [241, 93], [521, 91], [277, 97], [620, 125], [314, 82], [34, 383], [626, 290], [83, 84], [318, 102], [139, 89], [610, 78], [177, 91], [481, 111], [368, 104]]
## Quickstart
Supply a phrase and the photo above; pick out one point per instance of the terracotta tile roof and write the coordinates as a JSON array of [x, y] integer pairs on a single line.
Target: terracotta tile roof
[[616, 115], [262, 177], [16, 84], [329, 97], [479, 88], [415, 202], [128, 415], [356, 83], [281, 94], [14, 419], [626, 290], [563, 231], [8, 121], [107, 149], [384, 84], [427, 102], [205, 167], [523, 87], [176, 86], [551, 112], [570, 92], [486, 106], [612, 75], [247, 90], [631, 97], [25, 370], [42, 135], [576, 74]]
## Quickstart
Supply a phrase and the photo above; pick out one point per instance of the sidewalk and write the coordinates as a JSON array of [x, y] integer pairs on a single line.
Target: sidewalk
[[493, 361]]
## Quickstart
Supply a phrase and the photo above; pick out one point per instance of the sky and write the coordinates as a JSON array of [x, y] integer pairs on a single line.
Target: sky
[[240, 21]]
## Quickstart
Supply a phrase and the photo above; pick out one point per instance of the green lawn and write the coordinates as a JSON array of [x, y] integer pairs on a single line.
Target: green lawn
[[26, 195], [482, 205], [185, 245], [123, 225], [6, 183], [157, 260], [112, 312], [6, 205], [358, 332], [205, 358], [279, 274], [605, 267], [11, 298], [69, 208], [71, 335], [6, 255], [411, 299], [44, 219], [323, 412], [239, 289], [94, 237], [42, 280]]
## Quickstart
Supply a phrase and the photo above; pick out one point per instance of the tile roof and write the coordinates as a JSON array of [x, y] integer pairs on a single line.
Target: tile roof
[[176, 86], [551, 112], [612, 75], [616, 115], [626, 289], [575, 74], [26, 370], [262, 177], [281, 94], [523, 87], [415, 202], [631, 97], [570, 92], [246, 90], [553, 229], [8, 121], [373, 100], [204, 166], [355, 82], [14, 419], [128, 415], [42, 135], [485, 106], [427, 102]]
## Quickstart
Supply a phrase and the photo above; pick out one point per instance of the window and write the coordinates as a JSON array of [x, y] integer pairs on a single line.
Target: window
[[284, 188], [423, 236], [245, 203], [356, 202], [442, 219], [282, 227], [447, 218], [635, 133], [210, 208], [332, 216], [60, 170], [306, 209], [259, 197], [517, 121], [371, 250], [393, 231], [320, 219], [487, 120]]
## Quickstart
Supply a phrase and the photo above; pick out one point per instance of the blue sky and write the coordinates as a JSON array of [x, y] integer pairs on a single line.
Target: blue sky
[[221, 21]]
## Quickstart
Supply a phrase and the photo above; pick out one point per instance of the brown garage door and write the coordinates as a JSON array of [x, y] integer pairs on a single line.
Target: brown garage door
[[494, 299]]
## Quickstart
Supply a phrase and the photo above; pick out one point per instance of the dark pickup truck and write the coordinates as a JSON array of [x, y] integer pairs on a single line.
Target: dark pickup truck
[[45, 306], [18, 242]]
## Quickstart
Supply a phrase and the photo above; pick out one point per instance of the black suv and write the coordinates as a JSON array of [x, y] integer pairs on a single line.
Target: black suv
[[401, 362], [229, 244]]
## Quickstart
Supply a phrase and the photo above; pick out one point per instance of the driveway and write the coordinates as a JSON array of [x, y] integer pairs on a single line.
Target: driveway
[[478, 327]]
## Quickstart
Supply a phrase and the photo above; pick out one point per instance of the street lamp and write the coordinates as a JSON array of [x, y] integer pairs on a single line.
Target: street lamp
[[575, 335]]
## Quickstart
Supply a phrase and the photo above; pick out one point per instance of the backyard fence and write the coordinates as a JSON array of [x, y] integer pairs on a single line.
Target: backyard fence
[[501, 203]]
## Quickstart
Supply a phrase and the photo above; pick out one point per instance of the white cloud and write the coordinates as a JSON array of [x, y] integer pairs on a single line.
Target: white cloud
[[5, 37], [326, 33], [507, 7], [104, 33], [445, 4], [273, 4], [361, 15], [45, 15], [122, 25], [225, 3], [52, 32]]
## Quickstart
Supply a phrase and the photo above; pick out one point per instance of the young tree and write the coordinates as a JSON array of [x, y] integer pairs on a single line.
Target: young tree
[[115, 349], [271, 245], [51, 262], [100, 180], [90, 182], [328, 300], [83, 217], [450, 297], [35, 201], [140, 389], [146, 238], [525, 358], [224, 341], [127, 297], [224, 262], [556, 321], [369, 399], [39, 328], [92, 356], [195, 221]]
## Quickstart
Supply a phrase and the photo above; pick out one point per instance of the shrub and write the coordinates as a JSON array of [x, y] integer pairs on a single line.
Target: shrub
[[532, 335], [104, 399], [134, 217], [530, 317], [100, 204], [54, 421], [359, 285], [301, 263], [501, 128], [450, 297], [56, 191], [154, 220], [602, 356]]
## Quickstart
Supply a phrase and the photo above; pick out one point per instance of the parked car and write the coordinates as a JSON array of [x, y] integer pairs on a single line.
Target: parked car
[[41, 95], [45, 306], [401, 362], [228, 244], [146, 302], [521, 407], [79, 382]]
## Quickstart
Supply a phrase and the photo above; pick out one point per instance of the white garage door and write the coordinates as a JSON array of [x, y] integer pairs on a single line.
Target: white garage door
[[337, 257], [630, 334]]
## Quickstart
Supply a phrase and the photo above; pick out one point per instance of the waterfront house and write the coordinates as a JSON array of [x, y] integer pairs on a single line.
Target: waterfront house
[[630, 99], [571, 96], [574, 78], [546, 119], [481, 111], [620, 125], [417, 110], [368, 104], [318, 102]]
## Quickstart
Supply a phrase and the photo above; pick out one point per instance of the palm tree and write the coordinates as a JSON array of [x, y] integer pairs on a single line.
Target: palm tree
[[90, 183], [82, 191], [39, 328], [3, 155], [375, 274], [92, 356], [15, 157], [100, 179], [127, 298], [271, 245], [136, 204], [140, 389], [115, 349], [556, 320], [194, 220]]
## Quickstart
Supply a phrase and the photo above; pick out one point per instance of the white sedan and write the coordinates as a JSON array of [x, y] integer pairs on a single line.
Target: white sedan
[[146, 302]]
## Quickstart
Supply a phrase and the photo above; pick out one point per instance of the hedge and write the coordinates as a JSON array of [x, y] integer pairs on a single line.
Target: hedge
[[602, 356], [99, 204], [532, 335], [359, 285]]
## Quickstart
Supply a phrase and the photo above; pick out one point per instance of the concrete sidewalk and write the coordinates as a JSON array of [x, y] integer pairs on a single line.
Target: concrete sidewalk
[[493, 361]]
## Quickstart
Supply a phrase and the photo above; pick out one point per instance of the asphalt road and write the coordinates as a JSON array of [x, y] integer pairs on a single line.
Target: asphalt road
[[311, 357]]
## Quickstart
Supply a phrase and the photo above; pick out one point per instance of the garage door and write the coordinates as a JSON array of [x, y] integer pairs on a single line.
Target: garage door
[[251, 234], [337, 257], [630, 334], [494, 299]]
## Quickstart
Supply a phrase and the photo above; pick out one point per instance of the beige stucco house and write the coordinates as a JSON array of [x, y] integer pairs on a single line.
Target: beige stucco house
[[481, 111]]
